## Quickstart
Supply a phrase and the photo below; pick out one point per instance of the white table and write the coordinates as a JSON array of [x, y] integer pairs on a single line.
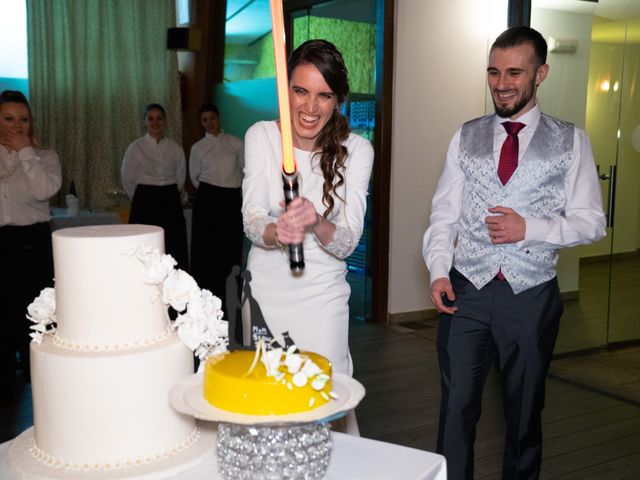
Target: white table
[[61, 219], [352, 458]]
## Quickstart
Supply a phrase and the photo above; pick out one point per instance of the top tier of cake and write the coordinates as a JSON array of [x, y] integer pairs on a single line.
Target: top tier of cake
[[102, 299]]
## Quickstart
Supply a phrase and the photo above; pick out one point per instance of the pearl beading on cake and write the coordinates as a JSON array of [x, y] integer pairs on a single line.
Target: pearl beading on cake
[[62, 342], [54, 462]]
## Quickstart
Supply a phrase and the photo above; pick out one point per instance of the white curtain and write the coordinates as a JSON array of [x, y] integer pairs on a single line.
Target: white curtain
[[93, 66]]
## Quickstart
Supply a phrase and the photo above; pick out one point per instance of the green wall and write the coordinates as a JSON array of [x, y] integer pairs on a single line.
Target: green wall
[[355, 40]]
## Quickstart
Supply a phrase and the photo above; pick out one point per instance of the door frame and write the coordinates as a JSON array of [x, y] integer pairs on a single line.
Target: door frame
[[378, 260]]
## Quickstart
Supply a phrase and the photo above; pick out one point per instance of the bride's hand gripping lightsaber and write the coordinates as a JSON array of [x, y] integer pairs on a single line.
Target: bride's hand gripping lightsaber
[[296, 253]]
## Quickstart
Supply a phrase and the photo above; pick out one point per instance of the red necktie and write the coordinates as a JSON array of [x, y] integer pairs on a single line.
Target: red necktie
[[508, 160], [509, 153]]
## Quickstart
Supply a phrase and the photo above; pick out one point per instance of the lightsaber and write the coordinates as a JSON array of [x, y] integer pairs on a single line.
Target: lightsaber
[[289, 172]]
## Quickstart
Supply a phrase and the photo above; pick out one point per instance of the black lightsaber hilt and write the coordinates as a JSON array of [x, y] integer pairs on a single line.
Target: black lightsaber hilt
[[296, 253]]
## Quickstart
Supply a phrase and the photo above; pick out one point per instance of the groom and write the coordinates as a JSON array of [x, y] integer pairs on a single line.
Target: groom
[[516, 187]]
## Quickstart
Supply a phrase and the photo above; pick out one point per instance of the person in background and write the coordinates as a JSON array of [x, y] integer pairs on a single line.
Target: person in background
[[153, 175], [215, 167], [516, 187], [29, 177], [328, 217]]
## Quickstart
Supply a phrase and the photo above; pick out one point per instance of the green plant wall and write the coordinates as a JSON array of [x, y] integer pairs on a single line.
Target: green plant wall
[[355, 40]]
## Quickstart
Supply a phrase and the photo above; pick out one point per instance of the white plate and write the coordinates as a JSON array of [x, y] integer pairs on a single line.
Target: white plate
[[186, 397]]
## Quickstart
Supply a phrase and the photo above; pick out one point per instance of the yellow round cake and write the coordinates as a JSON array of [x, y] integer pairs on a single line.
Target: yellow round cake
[[230, 383]]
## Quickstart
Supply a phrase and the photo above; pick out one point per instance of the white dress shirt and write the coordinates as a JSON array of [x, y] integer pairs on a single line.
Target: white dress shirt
[[28, 179], [217, 160], [583, 220], [151, 162]]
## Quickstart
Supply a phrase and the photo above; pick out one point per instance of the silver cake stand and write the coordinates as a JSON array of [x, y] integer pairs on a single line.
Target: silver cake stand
[[292, 446]]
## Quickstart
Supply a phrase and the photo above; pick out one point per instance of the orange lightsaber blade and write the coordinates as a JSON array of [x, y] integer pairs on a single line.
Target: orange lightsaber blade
[[282, 82]]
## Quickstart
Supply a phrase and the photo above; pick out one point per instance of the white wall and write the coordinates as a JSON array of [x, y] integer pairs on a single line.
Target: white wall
[[439, 82]]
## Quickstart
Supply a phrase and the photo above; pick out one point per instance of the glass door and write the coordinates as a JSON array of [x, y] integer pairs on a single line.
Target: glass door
[[248, 92], [594, 59], [624, 299], [351, 26]]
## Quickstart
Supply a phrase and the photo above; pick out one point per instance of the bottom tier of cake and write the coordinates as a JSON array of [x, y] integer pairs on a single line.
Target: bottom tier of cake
[[108, 410], [199, 457]]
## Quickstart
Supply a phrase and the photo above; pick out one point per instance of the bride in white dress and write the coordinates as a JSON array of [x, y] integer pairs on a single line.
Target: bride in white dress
[[334, 167]]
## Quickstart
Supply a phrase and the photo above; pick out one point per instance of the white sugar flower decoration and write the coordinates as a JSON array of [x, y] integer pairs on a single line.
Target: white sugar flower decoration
[[145, 253], [199, 324], [179, 289], [43, 307], [207, 306], [42, 312], [159, 268], [201, 327], [190, 330]]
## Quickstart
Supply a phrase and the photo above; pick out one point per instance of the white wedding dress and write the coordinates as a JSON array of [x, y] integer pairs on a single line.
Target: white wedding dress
[[312, 307]]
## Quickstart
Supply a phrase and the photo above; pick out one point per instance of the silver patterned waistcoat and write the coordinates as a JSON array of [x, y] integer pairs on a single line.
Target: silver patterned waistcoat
[[536, 190]]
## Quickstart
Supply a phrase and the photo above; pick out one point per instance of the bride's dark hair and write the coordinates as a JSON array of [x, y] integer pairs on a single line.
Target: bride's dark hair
[[328, 60]]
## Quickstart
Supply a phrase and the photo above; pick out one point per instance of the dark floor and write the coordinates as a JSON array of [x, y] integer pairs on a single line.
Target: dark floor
[[605, 310], [614, 371], [588, 435]]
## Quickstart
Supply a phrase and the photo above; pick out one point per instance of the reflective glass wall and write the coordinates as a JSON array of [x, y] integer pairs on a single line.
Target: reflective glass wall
[[594, 77]]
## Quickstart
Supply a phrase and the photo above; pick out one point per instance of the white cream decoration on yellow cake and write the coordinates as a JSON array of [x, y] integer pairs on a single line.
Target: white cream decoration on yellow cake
[[301, 367], [267, 381]]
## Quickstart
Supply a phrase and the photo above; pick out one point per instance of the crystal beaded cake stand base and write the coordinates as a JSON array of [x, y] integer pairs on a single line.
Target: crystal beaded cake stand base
[[290, 452], [23, 465]]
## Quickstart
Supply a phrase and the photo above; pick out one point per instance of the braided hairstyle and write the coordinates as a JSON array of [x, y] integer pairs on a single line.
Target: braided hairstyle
[[327, 59]]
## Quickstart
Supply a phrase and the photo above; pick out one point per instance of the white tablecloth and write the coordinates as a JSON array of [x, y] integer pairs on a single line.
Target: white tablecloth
[[61, 219], [352, 458]]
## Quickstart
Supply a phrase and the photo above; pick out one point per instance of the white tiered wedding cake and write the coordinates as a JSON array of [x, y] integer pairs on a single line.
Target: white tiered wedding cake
[[101, 381]]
